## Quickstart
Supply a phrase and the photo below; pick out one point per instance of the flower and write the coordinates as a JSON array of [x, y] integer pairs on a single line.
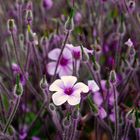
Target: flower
[[98, 98], [93, 86], [77, 52], [129, 43], [47, 4], [16, 70], [66, 90], [65, 66]]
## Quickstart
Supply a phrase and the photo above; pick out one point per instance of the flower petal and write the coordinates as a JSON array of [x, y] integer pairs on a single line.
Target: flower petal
[[54, 54], [65, 71], [74, 99], [98, 98], [67, 53], [59, 98], [82, 87], [51, 68], [57, 85], [93, 86], [69, 81], [102, 113]]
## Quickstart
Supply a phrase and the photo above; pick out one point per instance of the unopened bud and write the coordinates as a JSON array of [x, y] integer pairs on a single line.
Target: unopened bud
[[69, 25], [29, 16], [66, 122], [52, 107], [76, 114], [11, 25], [44, 41], [112, 77], [18, 90], [43, 83], [31, 36], [96, 67], [85, 56]]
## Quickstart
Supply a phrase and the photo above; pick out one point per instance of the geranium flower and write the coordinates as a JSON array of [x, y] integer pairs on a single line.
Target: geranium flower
[[129, 43], [66, 90], [16, 70], [77, 52], [65, 66], [93, 86]]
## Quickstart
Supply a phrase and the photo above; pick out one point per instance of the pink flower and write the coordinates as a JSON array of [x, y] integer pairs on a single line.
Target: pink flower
[[129, 43], [77, 52], [66, 90], [47, 4], [65, 66]]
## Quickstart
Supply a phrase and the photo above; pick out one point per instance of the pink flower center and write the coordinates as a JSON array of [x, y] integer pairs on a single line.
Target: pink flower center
[[68, 91], [76, 55], [63, 61]]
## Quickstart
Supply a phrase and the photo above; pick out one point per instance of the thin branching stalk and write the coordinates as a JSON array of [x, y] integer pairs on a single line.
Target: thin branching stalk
[[10, 119], [62, 49], [116, 114], [36, 117], [127, 127]]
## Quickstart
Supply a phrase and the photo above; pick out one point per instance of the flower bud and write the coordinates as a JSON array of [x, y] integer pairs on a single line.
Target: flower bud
[[18, 89], [85, 56], [31, 36], [43, 83], [112, 77], [52, 107], [75, 114], [96, 67], [29, 16], [11, 25], [66, 122], [69, 25], [44, 41]]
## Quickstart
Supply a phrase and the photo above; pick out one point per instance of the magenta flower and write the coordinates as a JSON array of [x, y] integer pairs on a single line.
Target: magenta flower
[[65, 66], [66, 90]]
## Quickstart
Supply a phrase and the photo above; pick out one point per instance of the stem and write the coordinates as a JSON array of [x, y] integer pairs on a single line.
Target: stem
[[15, 49], [10, 119], [27, 58], [116, 114], [74, 126], [127, 127], [37, 116], [2, 109], [37, 59], [65, 41], [9, 59], [31, 88]]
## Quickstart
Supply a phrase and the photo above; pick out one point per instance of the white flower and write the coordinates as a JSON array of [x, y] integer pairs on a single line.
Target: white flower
[[66, 90], [93, 86]]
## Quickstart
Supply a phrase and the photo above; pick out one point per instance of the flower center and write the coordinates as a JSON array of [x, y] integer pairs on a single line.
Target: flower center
[[63, 61], [68, 91], [76, 55]]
